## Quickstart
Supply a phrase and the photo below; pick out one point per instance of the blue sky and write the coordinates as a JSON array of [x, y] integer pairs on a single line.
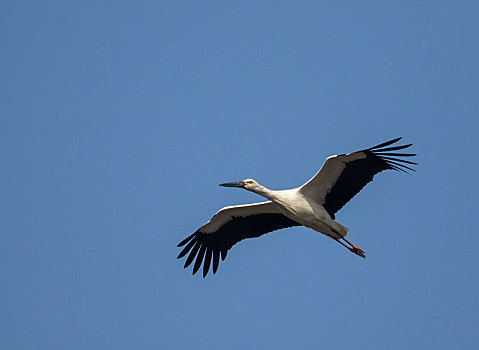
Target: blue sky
[[119, 119]]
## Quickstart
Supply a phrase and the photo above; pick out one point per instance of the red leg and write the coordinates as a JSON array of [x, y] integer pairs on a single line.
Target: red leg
[[354, 249], [357, 249]]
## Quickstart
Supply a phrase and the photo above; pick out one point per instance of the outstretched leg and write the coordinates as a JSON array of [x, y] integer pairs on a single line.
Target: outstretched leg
[[354, 249]]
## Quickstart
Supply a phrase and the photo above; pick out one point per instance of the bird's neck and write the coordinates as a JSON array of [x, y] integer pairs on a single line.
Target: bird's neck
[[265, 192]]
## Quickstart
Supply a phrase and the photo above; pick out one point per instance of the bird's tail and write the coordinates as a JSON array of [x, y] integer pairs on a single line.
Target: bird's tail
[[343, 230]]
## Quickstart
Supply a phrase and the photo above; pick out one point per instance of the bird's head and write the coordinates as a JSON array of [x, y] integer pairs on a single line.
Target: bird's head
[[247, 184]]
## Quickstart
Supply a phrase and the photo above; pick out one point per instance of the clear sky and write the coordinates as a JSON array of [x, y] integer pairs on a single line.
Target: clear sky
[[119, 119]]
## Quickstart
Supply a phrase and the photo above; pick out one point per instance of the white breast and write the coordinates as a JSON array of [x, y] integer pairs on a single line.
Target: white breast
[[304, 210]]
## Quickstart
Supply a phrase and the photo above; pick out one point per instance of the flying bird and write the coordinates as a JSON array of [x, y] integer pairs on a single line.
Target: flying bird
[[313, 205]]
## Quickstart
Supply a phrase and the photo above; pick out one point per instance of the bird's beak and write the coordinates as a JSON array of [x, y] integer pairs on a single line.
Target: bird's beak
[[239, 184]]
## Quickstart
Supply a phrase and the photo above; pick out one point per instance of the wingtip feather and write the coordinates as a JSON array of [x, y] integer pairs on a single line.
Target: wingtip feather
[[399, 160], [187, 248], [192, 254], [384, 144], [395, 148], [207, 261], [186, 240], [199, 258], [216, 259]]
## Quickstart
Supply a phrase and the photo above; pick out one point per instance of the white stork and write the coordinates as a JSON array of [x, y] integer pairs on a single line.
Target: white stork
[[313, 205]]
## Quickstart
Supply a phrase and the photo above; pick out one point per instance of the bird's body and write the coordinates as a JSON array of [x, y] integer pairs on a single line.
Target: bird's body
[[298, 206], [312, 205]]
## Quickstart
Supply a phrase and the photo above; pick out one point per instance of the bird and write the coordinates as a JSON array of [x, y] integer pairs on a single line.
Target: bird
[[313, 205]]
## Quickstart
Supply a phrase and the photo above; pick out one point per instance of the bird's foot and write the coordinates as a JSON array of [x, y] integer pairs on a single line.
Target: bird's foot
[[357, 251]]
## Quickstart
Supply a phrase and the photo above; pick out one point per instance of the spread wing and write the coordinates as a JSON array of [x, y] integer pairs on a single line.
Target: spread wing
[[228, 227], [342, 177]]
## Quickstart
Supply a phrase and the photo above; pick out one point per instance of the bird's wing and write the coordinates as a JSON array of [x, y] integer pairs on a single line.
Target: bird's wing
[[342, 177], [229, 226]]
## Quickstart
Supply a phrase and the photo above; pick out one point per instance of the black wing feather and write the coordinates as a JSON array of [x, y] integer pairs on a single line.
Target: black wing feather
[[209, 246], [192, 255], [360, 172], [216, 258]]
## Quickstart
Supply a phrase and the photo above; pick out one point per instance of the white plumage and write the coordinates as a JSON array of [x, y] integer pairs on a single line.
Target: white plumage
[[313, 205]]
